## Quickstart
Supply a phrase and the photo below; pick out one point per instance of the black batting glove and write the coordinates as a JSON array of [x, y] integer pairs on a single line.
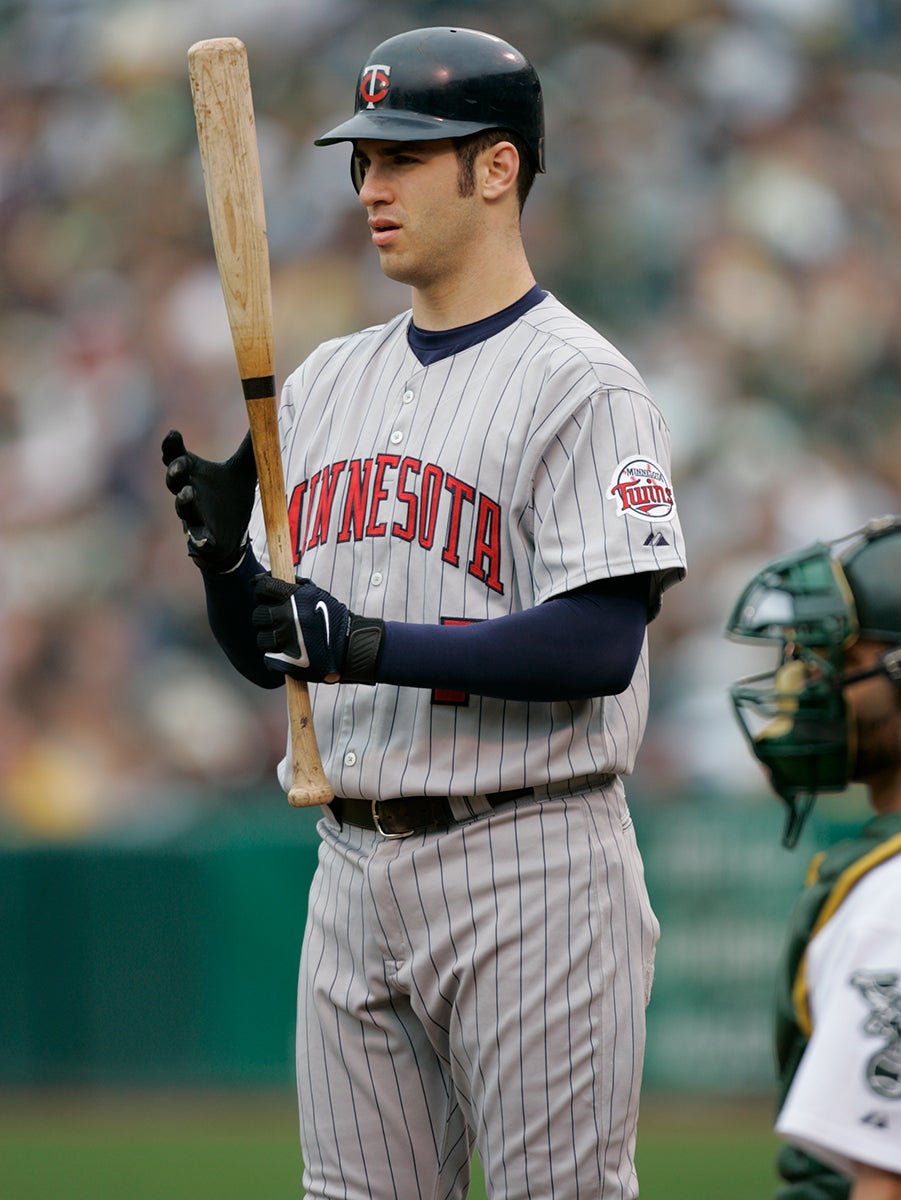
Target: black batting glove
[[213, 499], [305, 632]]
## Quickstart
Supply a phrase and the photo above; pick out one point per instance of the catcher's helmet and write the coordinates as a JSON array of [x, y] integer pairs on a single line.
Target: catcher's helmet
[[444, 83], [815, 604], [873, 570]]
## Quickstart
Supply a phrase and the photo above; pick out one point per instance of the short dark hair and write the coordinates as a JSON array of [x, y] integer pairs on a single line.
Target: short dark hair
[[469, 148]]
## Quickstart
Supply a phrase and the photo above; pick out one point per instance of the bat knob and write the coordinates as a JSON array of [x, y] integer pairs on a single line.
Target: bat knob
[[309, 795]]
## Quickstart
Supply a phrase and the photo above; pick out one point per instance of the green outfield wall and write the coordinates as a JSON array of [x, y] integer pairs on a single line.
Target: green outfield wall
[[168, 958]]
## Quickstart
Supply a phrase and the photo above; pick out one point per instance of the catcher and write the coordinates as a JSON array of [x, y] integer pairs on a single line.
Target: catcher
[[830, 715]]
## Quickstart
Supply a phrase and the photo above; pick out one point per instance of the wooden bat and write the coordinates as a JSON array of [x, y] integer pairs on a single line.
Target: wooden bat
[[226, 133]]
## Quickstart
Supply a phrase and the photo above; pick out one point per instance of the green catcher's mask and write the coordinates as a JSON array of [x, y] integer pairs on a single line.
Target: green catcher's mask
[[813, 605]]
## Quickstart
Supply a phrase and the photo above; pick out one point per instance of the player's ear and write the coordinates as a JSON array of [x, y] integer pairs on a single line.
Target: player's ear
[[499, 170]]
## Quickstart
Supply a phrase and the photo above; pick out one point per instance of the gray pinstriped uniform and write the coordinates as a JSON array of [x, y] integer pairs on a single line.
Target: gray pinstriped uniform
[[489, 981]]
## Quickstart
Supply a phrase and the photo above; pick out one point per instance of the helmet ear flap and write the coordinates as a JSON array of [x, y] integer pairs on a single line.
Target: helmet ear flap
[[357, 173]]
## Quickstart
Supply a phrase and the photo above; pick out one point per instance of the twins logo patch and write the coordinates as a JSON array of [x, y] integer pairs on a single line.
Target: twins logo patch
[[882, 994], [374, 84], [642, 490]]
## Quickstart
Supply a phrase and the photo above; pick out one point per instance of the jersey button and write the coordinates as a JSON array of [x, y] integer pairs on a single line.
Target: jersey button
[[377, 579], [409, 397], [396, 437], [350, 759]]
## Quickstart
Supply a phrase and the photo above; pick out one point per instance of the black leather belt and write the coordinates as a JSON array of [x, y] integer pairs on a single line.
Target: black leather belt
[[408, 814]]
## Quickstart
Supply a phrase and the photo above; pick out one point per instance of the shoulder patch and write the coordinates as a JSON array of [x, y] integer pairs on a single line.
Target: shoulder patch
[[641, 489], [882, 995]]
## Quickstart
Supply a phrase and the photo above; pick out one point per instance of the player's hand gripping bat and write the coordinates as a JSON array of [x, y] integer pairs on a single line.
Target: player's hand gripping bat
[[226, 132]]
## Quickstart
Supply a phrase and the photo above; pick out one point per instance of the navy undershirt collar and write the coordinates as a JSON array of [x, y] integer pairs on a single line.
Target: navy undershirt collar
[[431, 345]]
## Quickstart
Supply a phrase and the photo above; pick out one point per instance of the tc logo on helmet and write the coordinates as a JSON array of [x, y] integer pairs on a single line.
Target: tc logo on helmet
[[642, 490], [374, 84]]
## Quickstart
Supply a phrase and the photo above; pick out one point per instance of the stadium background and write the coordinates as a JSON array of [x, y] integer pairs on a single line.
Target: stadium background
[[723, 201]]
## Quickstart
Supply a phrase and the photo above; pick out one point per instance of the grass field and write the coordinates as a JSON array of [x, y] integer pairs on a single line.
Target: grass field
[[244, 1147]]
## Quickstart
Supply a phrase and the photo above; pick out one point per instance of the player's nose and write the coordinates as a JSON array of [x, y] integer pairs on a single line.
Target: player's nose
[[373, 189]]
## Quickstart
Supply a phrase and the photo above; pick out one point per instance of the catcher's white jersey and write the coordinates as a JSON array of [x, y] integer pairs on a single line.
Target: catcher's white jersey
[[844, 1104], [480, 485]]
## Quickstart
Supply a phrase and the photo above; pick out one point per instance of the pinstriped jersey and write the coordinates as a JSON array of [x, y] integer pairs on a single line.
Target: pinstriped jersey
[[482, 484]]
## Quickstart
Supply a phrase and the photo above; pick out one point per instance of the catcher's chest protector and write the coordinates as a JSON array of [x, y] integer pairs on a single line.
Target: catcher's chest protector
[[830, 877]]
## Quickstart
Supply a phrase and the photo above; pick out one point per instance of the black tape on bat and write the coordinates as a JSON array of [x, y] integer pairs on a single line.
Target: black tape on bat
[[258, 387]]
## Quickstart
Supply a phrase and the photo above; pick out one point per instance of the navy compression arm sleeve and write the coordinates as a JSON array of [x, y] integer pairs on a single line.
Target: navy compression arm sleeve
[[585, 643], [582, 644]]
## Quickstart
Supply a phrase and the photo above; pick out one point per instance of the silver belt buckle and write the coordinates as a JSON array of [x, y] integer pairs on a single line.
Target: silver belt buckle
[[384, 832]]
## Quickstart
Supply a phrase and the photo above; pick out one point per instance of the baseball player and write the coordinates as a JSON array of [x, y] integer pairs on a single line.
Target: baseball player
[[479, 492], [830, 714]]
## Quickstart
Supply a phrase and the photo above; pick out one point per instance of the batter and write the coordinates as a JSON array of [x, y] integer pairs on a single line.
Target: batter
[[484, 521]]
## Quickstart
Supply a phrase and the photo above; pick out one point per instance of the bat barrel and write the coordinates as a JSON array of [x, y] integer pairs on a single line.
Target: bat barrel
[[226, 135]]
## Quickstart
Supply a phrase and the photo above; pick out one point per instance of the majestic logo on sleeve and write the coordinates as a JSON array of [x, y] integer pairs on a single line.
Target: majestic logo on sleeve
[[374, 84], [641, 489], [882, 994]]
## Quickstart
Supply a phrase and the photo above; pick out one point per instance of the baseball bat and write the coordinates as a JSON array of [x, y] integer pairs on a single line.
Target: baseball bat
[[226, 133]]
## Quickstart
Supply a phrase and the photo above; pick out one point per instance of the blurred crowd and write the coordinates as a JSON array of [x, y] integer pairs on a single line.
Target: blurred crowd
[[723, 200]]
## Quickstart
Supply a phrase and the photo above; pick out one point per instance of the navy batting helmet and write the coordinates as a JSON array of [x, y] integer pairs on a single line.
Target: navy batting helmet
[[444, 83]]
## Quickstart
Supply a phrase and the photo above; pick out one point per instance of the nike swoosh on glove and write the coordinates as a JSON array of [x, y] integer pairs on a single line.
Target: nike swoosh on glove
[[301, 629]]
